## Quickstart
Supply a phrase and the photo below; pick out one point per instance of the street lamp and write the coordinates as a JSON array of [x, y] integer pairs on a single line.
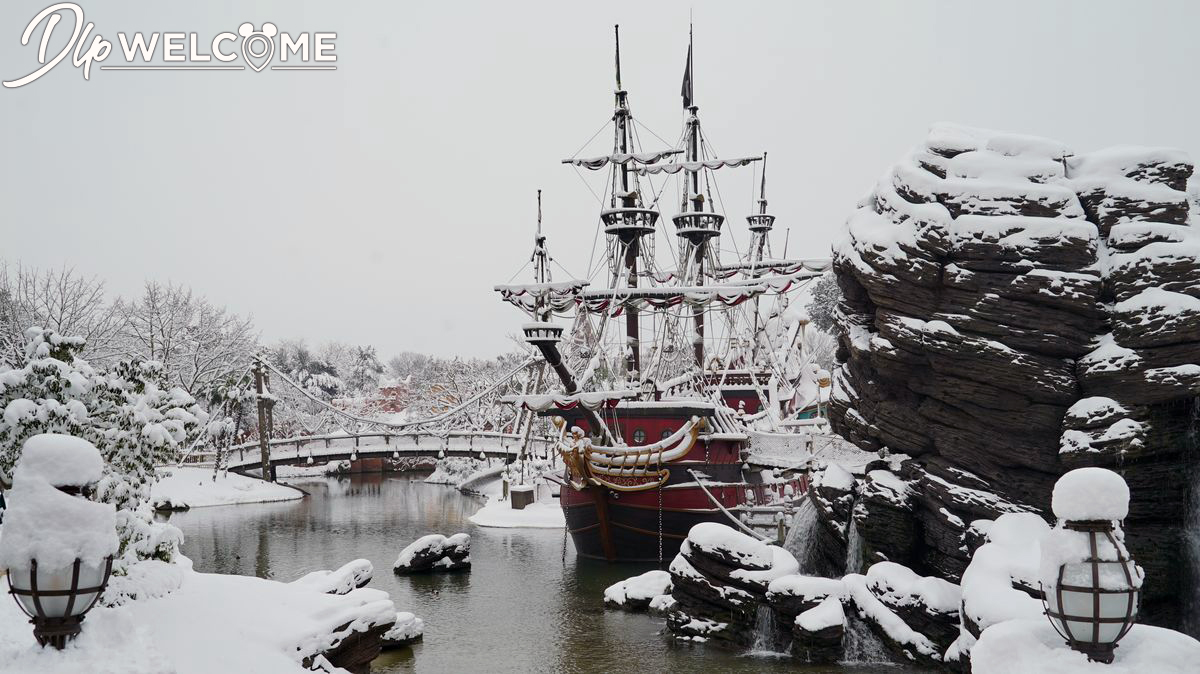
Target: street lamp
[[58, 546], [1090, 584]]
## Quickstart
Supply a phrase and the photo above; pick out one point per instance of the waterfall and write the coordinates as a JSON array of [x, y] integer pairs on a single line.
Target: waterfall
[[1191, 527], [854, 560], [766, 639], [860, 646], [802, 538]]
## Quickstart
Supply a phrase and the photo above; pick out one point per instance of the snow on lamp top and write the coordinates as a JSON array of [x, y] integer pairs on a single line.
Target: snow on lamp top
[[47, 525], [1090, 494], [61, 460]]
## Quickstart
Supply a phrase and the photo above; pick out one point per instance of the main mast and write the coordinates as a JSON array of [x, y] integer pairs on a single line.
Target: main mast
[[694, 224], [626, 218]]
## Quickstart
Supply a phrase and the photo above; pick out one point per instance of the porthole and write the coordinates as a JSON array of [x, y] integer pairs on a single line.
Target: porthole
[[667, 433], [639, 437]]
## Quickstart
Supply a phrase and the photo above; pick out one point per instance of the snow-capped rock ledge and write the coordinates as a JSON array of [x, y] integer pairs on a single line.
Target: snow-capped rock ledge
[[1013, 310], [719, 580]]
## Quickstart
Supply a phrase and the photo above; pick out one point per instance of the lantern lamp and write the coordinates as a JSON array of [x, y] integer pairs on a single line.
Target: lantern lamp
[[58, 546], [1090, 585]]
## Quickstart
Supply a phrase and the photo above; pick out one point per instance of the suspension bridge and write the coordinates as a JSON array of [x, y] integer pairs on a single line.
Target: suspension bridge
[[480, 426]]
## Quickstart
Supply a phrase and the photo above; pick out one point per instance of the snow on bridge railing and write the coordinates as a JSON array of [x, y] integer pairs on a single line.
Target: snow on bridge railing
[[428, 441]]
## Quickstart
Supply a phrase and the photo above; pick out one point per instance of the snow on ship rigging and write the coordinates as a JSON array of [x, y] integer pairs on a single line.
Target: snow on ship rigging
[[654, 436]]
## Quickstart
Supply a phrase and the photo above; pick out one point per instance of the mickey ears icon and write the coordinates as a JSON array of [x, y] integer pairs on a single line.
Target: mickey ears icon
[[247, 29]]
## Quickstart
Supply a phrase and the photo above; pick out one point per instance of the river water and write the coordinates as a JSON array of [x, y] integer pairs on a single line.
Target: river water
[[528, 604]]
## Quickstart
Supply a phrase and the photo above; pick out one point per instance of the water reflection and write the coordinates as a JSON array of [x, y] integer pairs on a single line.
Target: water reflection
[[528, 605]]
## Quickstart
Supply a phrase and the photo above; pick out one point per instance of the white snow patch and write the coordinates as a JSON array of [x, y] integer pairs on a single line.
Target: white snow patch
[[196, 488], [1090, 494], [639, 588], [1032, 645]]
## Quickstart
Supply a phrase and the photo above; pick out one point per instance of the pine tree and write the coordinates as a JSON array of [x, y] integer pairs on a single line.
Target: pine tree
[[825, 296], [130, 415]]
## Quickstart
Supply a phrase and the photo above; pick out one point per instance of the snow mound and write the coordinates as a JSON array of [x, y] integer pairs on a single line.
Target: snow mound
[[350, 576], [54, 528], [718, 539], [829, 613], [899, 585], [408, 628], [1010, 559], [807, 587], [1032, 645], [189, 487], [638, 589], [537, 515], [1090, 494], [61, 460], [837, 477]]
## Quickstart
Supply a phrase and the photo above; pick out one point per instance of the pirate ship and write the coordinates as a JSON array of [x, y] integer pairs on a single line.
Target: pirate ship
[[682, 377]]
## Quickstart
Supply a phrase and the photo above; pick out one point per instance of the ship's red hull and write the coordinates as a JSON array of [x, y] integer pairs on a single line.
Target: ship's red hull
[[650, 524]]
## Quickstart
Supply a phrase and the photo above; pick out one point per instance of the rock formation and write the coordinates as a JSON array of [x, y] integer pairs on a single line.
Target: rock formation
[[435, 552], [719, 582], [1012, 310]]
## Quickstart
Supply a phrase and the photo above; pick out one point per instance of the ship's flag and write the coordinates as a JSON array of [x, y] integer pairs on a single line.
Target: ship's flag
[[686, 92]]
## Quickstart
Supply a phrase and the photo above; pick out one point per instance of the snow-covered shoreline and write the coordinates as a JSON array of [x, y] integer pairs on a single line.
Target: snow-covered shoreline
[[211, 623], [191, 487]]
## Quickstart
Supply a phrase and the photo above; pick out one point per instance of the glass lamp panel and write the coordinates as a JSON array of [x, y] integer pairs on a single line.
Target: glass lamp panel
[[1109, 631], [1078, 604], [1080, 630], [90, 575]]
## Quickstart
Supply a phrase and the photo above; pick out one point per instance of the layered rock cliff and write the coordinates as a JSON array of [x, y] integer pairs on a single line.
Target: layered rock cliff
[[1013, 310]]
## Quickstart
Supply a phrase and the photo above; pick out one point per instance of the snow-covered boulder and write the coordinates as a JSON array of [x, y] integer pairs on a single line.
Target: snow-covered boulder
[[817, 633], [408, 630], [435, 552], [350, 576], [636, 593], [719, 579], [1001, 582]]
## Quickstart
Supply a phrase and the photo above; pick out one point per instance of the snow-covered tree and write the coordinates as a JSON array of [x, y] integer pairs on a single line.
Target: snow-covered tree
[[60, 300], [825, 296], [129, 413], [142, 423], [365, 368], [51, 390], [199, 344], [310, 371]]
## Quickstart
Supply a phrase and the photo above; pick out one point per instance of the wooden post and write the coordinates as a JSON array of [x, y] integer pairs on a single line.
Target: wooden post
[[264, 419]]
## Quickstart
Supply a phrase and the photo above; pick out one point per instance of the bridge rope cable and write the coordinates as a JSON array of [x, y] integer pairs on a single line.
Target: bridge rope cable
[[503, 381]]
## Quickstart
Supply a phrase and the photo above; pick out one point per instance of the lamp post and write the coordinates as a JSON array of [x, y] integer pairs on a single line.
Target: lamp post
[[1090, 585], [58, 546]]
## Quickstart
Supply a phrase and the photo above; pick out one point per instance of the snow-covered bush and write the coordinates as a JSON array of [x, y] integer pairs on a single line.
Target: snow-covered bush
[[129, 413]]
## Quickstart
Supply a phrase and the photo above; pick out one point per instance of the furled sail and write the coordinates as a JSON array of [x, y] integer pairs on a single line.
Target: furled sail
[[659, 298], [711, 164], [556, 296], [592, 400], [801, 268], [596, 163]]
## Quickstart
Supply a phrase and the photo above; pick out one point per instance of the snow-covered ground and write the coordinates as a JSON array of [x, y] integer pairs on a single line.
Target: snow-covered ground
[[195, 488], [536, 515], [1032, 645], [486, 480], [212, 623]]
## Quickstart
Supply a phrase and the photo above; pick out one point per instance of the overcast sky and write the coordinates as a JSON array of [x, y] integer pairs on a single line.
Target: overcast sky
[[379, 203]]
